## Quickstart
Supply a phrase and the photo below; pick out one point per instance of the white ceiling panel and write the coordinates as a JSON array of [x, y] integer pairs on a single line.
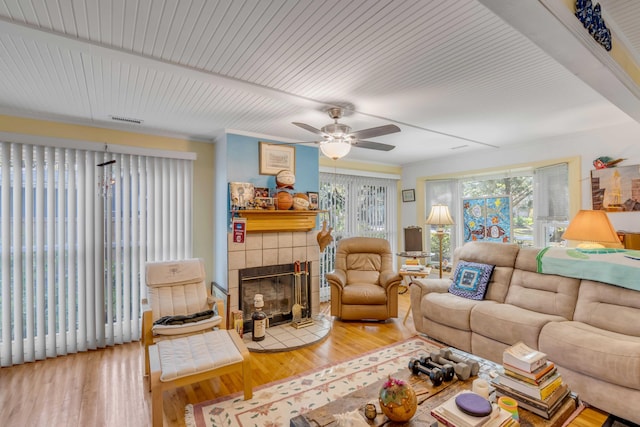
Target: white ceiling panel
[[448, 73]]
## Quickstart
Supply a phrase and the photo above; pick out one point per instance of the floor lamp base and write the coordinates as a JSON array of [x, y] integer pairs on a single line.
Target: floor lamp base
[[440, 236]]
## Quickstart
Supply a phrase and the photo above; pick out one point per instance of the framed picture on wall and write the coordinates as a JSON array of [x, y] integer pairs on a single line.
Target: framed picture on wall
[[276, 157], [409, 195], [616, 189]]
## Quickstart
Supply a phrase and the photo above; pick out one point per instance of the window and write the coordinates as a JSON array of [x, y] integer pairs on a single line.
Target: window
[[356, 206], [551, 210], [539, 204], [75, 238]]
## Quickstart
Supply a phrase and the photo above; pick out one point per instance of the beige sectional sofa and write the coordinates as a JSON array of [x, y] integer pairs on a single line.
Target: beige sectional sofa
[[590, 330]]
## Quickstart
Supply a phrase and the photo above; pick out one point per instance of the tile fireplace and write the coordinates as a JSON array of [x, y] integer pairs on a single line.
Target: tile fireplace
[[272, 249], [277, 285]]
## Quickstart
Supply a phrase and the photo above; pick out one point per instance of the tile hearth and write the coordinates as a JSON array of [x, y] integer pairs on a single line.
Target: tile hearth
[[285, 337]]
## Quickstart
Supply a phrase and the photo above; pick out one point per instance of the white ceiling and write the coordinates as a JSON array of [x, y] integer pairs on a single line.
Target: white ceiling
[[451, 74]]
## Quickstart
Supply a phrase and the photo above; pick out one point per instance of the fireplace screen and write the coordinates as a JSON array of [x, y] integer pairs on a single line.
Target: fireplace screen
[[277, 284]]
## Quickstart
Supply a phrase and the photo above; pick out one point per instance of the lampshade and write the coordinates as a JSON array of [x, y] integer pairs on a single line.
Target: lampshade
[[439, 215], [592, 227], [335, 149]]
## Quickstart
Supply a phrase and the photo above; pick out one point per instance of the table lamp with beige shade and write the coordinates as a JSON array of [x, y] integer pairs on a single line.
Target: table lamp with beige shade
[[591, 230], [440, 217]]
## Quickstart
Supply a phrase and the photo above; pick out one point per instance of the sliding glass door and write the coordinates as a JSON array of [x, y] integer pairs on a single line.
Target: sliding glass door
[[77, 228]]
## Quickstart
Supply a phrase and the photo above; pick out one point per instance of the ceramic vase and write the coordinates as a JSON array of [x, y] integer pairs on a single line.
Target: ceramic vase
[[398, 400]]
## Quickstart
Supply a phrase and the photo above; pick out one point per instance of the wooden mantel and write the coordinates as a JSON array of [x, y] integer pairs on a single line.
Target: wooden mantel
[[269, 221]]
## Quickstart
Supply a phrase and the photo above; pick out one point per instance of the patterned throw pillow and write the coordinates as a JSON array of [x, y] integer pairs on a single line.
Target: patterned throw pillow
[[470, 280]]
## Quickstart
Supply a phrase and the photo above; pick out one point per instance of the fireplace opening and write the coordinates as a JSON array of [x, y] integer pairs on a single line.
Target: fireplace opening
[[277, 284]]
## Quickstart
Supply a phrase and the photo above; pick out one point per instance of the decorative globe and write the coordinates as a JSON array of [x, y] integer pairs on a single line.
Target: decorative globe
[[285, 179], [300, 202], [398, 400], [284, 200]]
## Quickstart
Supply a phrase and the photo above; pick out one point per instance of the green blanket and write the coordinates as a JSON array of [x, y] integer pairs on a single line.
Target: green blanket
[[619, 267]]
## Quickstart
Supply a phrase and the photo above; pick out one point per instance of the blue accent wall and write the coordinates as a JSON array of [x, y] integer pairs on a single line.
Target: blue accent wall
[[243, 164]]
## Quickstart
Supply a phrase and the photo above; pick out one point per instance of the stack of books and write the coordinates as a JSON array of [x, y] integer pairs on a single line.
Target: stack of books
[[449, 415], [532, 380]]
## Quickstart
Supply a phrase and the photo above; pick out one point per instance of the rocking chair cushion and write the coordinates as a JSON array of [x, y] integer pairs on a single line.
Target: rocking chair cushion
[[187, 327]]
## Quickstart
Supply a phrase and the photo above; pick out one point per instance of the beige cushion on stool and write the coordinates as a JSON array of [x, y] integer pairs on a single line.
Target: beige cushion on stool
[[187, 360], [186, 356]]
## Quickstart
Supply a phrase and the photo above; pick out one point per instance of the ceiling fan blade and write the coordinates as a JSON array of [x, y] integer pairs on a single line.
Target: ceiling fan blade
[[373, 132], [373, 145], [309, 128]]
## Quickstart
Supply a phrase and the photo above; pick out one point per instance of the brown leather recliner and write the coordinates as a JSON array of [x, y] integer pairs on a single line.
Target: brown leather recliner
[[363, 284]]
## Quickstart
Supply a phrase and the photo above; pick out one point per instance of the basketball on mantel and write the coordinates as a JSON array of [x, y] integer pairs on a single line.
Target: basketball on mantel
[[285, 200], [300, 202], [285, 179]]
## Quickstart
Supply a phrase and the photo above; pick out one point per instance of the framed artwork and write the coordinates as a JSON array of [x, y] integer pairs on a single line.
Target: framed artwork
[[313, 200], [241, 194], [276, 157], [409, 195], [261, 192], [487, 218], [616, 189], [264, 203]]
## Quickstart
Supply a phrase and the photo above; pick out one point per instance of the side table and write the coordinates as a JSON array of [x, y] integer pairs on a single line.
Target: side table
[[408, 276]]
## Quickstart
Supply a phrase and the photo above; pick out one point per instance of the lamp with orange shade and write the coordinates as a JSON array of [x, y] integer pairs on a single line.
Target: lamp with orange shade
[[593, 230]]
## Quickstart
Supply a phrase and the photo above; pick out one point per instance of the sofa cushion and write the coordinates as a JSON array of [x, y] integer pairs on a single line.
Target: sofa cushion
[[509, 324], [592, 351], [609, 307], [546, 294], [470, 280], [549, 294], [449, 309], [502, 255]]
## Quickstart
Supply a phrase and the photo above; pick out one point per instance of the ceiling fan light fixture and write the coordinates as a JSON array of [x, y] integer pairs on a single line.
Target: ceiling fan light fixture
[[335, 149], [337, 130]]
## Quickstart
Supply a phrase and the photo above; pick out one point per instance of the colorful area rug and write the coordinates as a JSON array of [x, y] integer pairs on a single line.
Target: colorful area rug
[[274, 404]]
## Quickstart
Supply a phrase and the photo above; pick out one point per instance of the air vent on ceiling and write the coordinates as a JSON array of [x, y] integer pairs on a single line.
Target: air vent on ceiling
[[126, 119]]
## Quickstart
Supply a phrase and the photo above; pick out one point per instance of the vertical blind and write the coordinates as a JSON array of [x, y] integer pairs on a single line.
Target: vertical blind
[[75, 238], [551, 207], [355, 206]]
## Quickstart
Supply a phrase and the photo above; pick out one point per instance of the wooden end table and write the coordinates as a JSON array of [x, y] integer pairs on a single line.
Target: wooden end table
[[407, 277]]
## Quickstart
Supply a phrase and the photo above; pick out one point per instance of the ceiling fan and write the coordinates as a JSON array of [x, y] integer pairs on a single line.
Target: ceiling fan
[[337, 138]]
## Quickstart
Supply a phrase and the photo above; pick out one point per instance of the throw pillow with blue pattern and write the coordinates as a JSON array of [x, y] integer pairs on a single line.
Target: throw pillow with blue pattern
[[470, 280]]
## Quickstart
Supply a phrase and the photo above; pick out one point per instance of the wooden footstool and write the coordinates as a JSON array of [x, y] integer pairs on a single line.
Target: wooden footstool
[[187, 360]]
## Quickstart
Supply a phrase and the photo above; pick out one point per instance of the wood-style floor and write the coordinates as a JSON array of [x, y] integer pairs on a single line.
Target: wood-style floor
[[106, 388]]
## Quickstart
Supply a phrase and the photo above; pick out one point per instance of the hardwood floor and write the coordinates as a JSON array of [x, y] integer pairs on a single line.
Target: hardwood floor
[[106, 387]]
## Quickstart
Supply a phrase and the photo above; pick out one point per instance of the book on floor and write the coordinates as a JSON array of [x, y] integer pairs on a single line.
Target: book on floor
[[534, 375], [549, 371], [547, 413], [542, 404], [501, 419], [449, 414], [523, 357], [540, 392]]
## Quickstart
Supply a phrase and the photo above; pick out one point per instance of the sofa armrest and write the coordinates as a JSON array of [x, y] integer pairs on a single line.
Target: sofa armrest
[[418, 289], [432, 285], [337, 278], [389, 277]]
